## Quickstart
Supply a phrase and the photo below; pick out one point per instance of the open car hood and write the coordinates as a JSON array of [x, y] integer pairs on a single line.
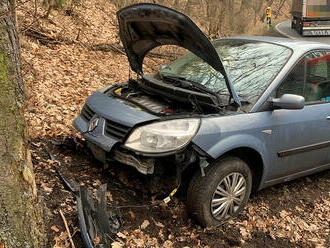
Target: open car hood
[[143, 27]]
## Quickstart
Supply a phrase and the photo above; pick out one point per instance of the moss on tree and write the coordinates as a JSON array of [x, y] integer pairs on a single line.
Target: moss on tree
[[21, 224]]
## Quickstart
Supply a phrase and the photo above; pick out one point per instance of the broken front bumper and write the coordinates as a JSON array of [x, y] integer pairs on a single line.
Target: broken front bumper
[[142, 164]]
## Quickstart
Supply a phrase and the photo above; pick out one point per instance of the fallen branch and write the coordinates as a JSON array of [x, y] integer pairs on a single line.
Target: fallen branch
[[117, 48], [107, 48], [44, 39], [67, 228]]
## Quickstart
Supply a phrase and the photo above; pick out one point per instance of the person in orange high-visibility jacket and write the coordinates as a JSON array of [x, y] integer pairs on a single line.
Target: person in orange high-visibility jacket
[[269, 16]]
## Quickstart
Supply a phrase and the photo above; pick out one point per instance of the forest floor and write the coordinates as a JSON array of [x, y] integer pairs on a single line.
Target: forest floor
[[61, 68]]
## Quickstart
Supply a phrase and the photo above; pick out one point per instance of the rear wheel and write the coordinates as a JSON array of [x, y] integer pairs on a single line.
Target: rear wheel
[[301, 29], [299, 26], [293, 23], [222, 193]]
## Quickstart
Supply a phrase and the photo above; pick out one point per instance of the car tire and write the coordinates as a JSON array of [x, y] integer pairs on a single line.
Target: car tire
[[202, 191], [301, 30], [299, 27], [293, 23]]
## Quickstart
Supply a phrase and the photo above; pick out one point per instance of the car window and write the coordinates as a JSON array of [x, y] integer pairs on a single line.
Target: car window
[[251, 65], [310, 78]]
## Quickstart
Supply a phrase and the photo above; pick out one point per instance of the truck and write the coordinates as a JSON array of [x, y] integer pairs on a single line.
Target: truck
[[311, 17]]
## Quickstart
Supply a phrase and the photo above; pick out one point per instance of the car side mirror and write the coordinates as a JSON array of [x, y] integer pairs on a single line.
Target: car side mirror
[[289, 101]]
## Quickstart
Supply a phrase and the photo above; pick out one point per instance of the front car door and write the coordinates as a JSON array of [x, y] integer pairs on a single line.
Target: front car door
[[301, 138]]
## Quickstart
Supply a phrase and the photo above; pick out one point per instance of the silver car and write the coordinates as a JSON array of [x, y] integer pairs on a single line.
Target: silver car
[[233, 116]]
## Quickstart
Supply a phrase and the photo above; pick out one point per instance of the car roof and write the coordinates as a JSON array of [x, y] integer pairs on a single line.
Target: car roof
[[296, 45]]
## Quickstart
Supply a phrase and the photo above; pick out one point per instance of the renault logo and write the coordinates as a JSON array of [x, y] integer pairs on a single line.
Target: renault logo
[[93, 124]]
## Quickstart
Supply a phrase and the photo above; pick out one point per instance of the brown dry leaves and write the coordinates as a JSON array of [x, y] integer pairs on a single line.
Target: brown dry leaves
[[138, 238], [59, 78], [62, 241], [301, 224]]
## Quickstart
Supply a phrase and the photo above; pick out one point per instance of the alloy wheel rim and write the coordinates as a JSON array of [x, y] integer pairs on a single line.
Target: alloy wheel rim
[[228, 196]]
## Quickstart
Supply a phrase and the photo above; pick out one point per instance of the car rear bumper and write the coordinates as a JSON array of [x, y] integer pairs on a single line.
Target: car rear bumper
[[316, 31]]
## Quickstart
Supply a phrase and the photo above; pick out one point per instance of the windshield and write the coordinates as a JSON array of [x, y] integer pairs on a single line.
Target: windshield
[[251, 66]]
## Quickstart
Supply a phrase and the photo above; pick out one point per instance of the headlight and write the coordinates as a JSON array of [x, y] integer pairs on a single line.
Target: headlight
[[163, 136]]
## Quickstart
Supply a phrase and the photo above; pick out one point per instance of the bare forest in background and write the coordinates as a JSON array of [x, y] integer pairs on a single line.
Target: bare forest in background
[[217, 18]]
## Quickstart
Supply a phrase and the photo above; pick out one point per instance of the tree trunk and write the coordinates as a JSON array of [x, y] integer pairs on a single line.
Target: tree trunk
[[20, 215]]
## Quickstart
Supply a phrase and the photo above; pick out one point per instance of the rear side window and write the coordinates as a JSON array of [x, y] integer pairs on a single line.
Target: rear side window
[[310, 78]]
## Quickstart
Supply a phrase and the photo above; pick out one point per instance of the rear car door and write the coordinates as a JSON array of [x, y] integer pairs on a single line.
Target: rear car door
[[301, 138]]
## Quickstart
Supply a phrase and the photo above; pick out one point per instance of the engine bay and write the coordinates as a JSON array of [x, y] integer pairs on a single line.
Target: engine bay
[[161, 98]]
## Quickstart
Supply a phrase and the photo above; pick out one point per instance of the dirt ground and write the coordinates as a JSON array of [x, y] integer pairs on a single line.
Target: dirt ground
[[285, 210], [61, 69]]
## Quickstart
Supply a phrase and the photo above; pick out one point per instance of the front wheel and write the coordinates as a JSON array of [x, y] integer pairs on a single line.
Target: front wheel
[[222, 193]]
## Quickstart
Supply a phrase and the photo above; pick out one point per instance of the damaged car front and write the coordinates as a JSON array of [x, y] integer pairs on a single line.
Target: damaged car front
[[165, 119], [157, 115]]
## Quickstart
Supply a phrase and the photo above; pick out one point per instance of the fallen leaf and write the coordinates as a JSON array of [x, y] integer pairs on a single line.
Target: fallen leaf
[[46, 188], [168, 244], [116, 245], [132, 214], [54, 228], [96, 240], [121, 235], [145, 224], [245, 234], [159, 224], [97, 182]]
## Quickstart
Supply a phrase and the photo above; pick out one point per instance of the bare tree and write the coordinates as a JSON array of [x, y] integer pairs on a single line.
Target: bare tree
[[20, 216]]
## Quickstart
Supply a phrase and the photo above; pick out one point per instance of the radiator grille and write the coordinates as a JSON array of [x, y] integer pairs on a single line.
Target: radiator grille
[[87, 113], [116, 130]]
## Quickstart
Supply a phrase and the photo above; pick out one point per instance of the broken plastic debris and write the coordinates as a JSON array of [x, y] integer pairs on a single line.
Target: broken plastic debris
[[94, 219]]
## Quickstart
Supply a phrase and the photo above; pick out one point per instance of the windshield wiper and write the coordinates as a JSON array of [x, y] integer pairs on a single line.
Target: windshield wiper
[[185, 83]]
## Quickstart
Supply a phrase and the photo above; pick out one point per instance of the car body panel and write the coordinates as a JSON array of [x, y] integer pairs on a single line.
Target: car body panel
[[146, 26], [270, 133], [215, 133], [97, 136], [114, 110], [294, 130]]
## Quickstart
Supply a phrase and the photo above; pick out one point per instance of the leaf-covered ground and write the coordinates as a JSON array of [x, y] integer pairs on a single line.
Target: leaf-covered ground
[[61, 70]]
